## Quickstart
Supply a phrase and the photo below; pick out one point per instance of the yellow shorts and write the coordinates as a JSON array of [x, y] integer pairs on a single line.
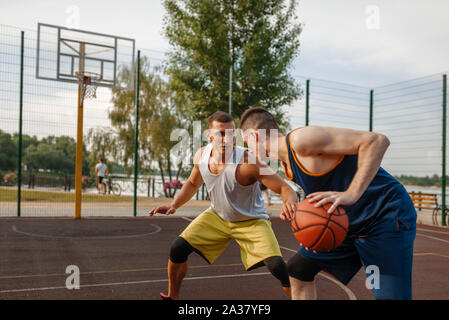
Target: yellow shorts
[[210, 235]]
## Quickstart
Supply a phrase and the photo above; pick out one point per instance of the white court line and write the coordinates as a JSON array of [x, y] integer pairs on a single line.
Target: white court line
[[348, 291], [430, 237], [136, 282], [158, 229], [434, 231]]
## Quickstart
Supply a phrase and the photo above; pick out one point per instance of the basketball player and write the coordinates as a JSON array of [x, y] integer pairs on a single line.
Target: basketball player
[[237, 208], [342, 167]]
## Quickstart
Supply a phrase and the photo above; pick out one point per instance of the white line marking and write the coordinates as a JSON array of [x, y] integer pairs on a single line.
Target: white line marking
[[158, 229], [348, 291], [434, 231], [137, 282], [186, 218], [430, 237]]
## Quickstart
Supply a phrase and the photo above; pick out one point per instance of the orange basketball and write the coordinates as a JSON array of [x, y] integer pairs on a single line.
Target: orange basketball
[[318, 230]]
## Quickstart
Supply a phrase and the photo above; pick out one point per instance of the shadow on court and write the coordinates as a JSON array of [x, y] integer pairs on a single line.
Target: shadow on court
[[126, 258]]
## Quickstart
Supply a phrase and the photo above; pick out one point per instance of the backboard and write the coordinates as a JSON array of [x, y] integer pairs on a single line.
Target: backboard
[[63, 53]]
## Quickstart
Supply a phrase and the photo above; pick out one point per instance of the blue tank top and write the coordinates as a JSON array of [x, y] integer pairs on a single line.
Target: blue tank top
[[375, 203]]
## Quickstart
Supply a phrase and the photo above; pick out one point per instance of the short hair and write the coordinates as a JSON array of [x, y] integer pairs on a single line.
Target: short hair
[[257, 118], [101, 159], [219, 116]]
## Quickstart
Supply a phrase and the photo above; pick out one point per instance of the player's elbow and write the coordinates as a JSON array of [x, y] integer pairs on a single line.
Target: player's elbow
[[383, 140], [377, 139]]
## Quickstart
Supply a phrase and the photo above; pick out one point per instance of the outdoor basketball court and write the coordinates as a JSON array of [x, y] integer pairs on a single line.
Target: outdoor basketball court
[[125, 258], [116, 256]]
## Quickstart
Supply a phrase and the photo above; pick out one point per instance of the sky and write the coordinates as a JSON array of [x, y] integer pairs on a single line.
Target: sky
[[366, 43]]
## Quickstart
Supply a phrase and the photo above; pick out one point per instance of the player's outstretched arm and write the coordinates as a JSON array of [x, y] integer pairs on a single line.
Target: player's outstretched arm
[[370, 147], [187, 191], [257, 170]]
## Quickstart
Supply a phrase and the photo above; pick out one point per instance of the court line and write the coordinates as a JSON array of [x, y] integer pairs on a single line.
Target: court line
[[430, 237], [158, 229], [431, 254], [113, 271], [434, 231], [137, 282], [348, 291]]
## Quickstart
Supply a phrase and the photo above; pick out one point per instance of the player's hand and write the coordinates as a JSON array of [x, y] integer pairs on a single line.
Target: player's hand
[[288, 211], [334, 197], [167, 210]]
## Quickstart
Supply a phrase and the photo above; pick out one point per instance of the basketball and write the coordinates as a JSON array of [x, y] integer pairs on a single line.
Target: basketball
[[318, 230]]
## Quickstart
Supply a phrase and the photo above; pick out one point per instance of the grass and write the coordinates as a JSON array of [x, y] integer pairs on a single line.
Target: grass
[[10, 194]]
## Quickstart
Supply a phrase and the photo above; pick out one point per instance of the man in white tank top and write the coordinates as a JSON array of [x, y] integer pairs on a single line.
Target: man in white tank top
[[237, 210], [101, 170]]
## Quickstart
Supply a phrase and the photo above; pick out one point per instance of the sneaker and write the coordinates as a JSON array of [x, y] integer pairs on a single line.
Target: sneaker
[[164, 296]]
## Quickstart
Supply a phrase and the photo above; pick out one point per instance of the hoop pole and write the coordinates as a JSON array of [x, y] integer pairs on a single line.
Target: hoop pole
[[19, 158], [79, 139], [136, 136]]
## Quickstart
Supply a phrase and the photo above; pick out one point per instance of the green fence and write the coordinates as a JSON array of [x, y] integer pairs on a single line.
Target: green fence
[[411, 113]]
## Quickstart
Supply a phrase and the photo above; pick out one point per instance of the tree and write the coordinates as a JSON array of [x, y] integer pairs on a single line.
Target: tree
[[260, 38], [158, 116], [56, 154], [8, 152]]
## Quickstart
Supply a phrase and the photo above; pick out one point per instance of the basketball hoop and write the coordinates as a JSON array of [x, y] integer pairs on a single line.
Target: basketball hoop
[[88, 82]]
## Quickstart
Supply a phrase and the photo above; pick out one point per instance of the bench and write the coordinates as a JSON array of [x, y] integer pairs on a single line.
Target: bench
[[427, 201]]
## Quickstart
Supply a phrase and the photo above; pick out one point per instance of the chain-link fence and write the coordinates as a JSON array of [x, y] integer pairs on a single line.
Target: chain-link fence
[[410, 113]]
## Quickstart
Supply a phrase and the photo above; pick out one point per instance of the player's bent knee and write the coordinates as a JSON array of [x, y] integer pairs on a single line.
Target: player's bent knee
[[180, 250], [301, 268], [278, 268]]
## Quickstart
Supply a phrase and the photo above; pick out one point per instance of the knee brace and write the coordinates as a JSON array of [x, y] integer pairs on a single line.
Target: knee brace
[[301, 268], [278, 268], [180, 250]]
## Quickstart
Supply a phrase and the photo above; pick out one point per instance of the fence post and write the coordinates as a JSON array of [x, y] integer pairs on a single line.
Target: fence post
[[152, 187], [443, 180], [371, 105], [136, 135], [19, 158], [307, 101]]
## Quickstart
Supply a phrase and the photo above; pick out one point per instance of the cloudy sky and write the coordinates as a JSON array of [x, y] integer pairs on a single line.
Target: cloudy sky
[[366, 42]]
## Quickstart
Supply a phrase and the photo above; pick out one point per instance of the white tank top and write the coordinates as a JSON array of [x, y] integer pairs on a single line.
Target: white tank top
[[229, 199]]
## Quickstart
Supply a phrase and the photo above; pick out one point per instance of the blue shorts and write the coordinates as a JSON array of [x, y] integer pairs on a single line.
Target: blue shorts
[[385, 252]]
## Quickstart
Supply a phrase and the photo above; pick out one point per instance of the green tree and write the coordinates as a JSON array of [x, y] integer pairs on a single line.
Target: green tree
[[8, 152], [158, 117], [56, 154], [26, 140], [260, 38]]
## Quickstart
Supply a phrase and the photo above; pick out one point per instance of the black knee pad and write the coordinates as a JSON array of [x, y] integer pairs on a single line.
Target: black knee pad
[[301, 268], [180, 250], [278, 268]]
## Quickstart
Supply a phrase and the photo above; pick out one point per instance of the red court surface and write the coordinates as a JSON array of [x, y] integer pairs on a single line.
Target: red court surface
[[126, 258]]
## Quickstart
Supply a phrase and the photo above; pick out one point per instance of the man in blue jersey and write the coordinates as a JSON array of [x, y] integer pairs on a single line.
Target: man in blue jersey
[[342, 167]]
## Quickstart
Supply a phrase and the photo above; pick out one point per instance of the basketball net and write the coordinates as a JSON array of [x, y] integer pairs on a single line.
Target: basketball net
[[88, 83]]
